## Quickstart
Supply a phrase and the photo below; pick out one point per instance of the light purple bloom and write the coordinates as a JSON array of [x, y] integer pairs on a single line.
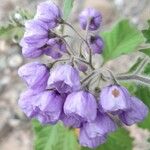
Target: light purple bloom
[[92, 15], [86, 141], [114, 98], [55, 48], [71, 121], [35, 75], [27, 102], [81, 105], [31, 52], [48, 12], [64, 78], [50, 106], [96, 43], [136, 113], [36, 34], [101, 126], [45, 106]]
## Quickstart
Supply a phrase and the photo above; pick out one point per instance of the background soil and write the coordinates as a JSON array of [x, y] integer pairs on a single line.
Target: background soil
[[15, 128]]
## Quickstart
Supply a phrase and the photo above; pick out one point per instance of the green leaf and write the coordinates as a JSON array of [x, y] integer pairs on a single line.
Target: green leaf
[[55, 137], [135, 66], [146, 33], [122, 39], [68, 5], [119, 140], [145, 51], [143, 93], [146, 123]]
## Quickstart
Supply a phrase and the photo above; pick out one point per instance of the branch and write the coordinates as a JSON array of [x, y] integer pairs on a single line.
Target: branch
[[135, 77]]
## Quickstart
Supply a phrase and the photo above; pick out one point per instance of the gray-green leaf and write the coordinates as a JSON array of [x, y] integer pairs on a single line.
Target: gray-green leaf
[[122, 39], [55, 137], [68, 5]]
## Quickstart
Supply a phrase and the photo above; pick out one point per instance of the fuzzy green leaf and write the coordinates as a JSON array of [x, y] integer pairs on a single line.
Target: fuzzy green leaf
[[55, 137], [146, 33], [146, 51], [68, 5], [122, 39]]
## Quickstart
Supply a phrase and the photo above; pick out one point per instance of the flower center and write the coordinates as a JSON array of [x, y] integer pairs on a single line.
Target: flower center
[[115, 93]]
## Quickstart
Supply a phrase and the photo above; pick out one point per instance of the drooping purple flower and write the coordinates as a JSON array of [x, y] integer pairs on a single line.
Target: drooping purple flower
[[45, 106], [92, 17], [81, 105], [96, 43], [35, 75], [50, 106], [136, 113], [36, 34], [64, 78], [114, 98], [87, 141], [55, 47], [48, 12], [71, 121], [101, 126], [32, 52], [27, 102]]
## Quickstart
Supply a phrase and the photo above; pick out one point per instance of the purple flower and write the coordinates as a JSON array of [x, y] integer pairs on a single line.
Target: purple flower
[[27, 102], [55, 48], [136, 113], [70, 121], [101, 126], [64, 78], [36, 34], [96, 43], [35, 75], [91, 16], [87, 141], [114, 98], [50, 106], [45, 106], [48, 12], [81, 105]]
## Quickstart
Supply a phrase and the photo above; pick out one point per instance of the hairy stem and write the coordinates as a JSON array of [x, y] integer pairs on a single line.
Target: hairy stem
[[134, 77]]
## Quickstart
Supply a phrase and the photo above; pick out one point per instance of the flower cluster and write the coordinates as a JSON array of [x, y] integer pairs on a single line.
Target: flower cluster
[[56, 93]]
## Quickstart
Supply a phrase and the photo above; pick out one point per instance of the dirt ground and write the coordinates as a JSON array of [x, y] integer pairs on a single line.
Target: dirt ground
[[15, 128]]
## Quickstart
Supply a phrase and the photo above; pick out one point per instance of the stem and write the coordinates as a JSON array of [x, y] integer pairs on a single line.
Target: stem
[[135, 77], [141, 66], [90, 51], [85, 62], [56, 61]]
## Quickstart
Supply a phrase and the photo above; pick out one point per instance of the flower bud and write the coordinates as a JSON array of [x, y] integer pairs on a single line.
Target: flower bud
[[81, 105], [55, 48], [136, 113], [48, 12], [92, 17], [82, 67], [96, 43], [64, 78], [114, 98], [35, 75]]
